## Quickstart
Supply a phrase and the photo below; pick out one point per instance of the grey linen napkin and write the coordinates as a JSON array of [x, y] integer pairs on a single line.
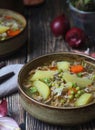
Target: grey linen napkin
[[11, 85]]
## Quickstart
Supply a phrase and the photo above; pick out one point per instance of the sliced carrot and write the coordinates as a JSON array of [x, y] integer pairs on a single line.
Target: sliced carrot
[[53, 68], [12, 33], [8, 17], [76, 68], [72, 90]]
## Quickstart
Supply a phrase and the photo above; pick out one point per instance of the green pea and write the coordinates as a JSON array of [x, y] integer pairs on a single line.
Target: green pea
[[62, 101], [33, 89], [74, 85], [77, 88], [79, 92], [72, 92], [93, 77], [79, 74], [70, 96], [77, 95]]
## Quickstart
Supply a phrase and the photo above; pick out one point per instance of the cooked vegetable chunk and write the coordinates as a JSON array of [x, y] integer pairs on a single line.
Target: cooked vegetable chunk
[[63, 65], [3, 28], [42, 88], [40, 74], [84, 99], [76, 68], [81, 82]]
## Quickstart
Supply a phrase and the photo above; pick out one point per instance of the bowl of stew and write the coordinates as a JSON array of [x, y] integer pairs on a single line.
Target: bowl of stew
[[59, 88], [13, 31]]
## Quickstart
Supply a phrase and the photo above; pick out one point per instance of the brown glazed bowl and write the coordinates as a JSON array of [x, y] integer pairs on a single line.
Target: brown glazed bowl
[[50, 114], [12, 44]]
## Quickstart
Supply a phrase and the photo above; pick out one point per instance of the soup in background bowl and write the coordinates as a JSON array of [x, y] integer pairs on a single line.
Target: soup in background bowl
[[59, 88], [13, 31], [9, 26]]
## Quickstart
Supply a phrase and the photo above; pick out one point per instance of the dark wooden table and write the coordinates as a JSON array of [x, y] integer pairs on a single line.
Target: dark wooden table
[[40, 41]]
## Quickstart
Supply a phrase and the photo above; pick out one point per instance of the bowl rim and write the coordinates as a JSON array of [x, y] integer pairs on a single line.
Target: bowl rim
[[24, 27], [80, 11], [45, 105]]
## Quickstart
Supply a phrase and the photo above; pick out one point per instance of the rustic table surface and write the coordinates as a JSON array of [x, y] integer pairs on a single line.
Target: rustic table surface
[[40, 41]]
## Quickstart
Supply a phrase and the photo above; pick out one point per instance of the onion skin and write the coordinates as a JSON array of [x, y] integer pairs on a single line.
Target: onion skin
[[7, 123], [60, 25], [75, 37], [92, 54], [3, 108]]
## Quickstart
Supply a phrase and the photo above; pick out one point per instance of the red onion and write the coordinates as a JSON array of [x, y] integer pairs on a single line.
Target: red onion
[[75, 37], [92, 54], [7, 123], [60, 25], [3, 108]]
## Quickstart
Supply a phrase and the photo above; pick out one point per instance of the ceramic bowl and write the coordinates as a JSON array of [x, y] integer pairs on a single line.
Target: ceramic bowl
[[12, 44], [46, 113]]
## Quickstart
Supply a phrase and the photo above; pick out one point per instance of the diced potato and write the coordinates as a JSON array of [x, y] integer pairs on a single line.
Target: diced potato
[[63, 65], [3, 29], [42, 88], [39, 74], [81, 82], [84, 99]]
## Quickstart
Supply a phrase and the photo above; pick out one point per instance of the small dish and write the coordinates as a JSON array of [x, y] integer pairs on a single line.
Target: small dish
[[13, 43]]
